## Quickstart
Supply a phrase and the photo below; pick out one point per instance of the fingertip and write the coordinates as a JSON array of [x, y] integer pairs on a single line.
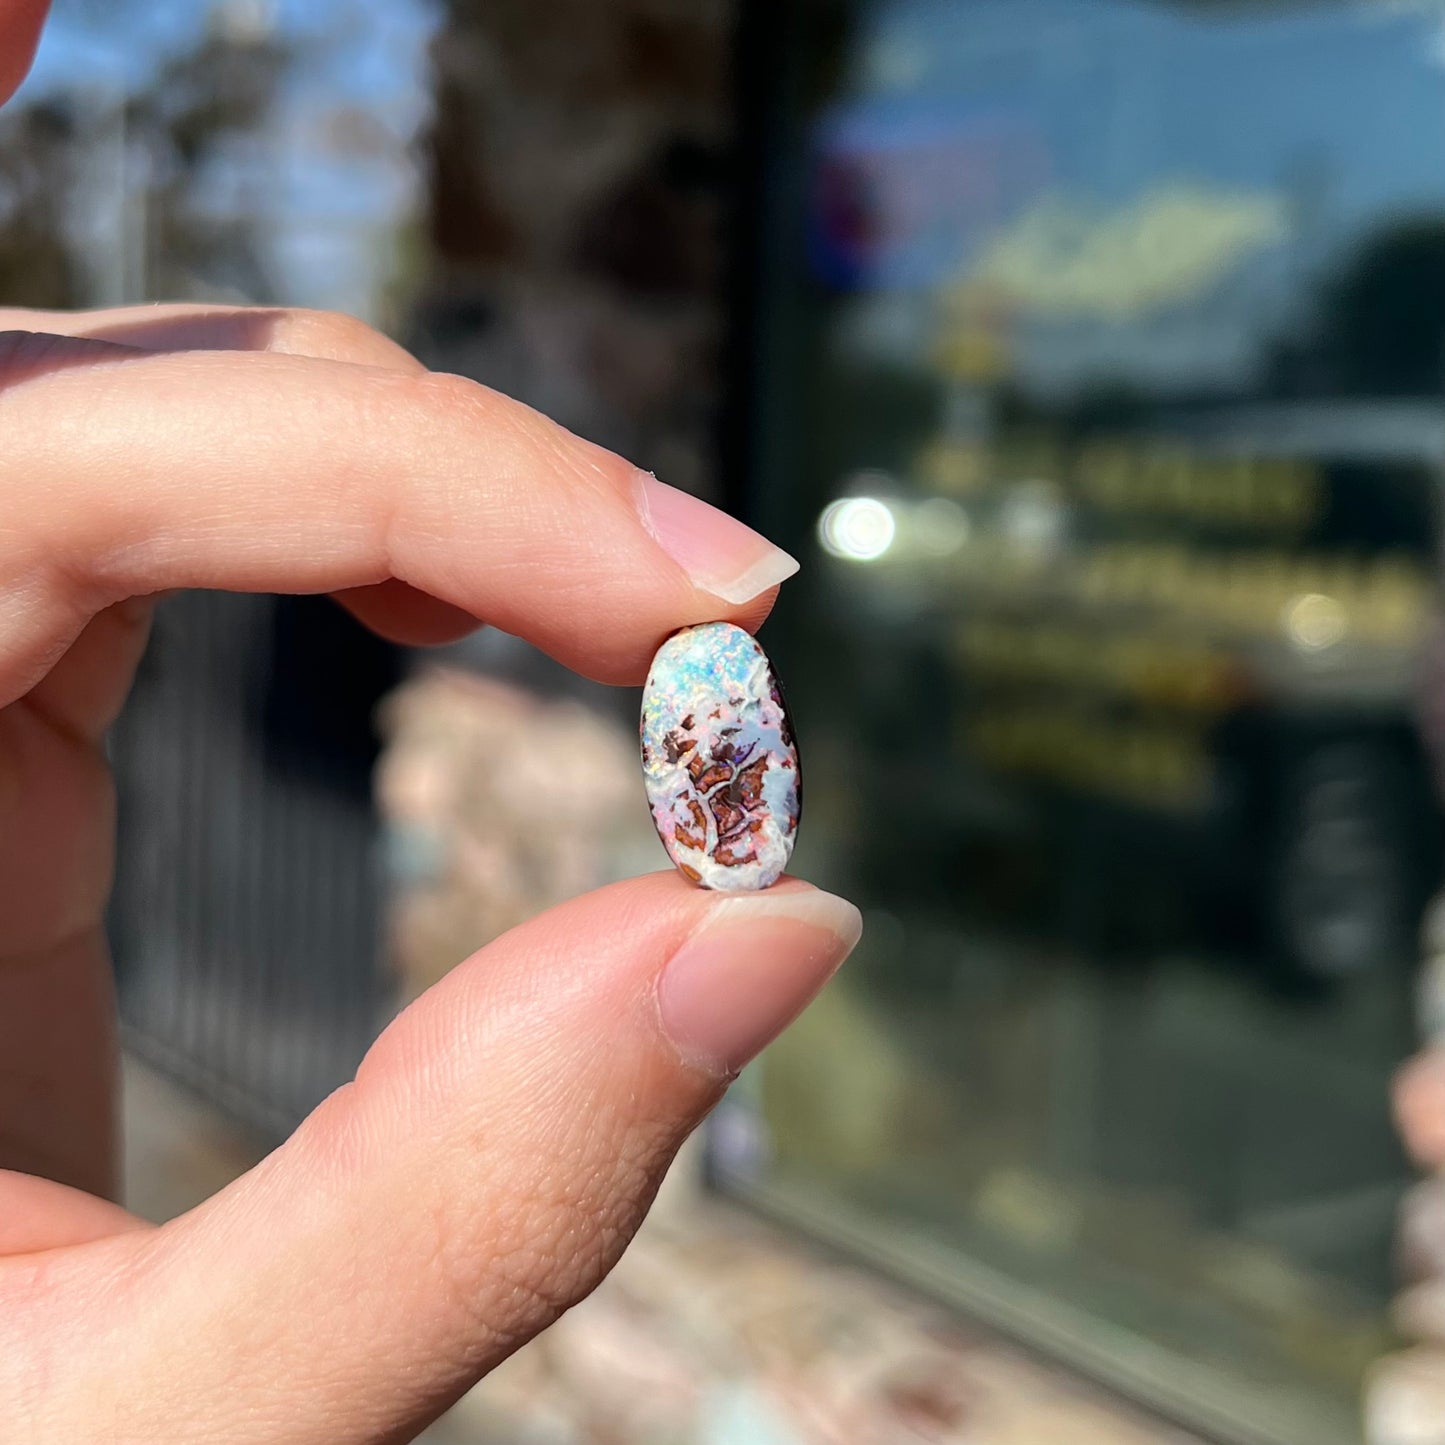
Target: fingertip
[[720, 555], [752, 966]]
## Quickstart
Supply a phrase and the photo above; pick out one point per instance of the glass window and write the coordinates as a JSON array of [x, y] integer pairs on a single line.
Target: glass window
[[1099, 384]]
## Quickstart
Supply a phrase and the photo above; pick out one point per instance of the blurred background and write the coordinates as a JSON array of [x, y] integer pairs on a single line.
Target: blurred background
[[1091, 356]]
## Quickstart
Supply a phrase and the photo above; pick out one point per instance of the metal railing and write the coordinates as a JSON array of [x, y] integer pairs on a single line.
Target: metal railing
[[246, 920]]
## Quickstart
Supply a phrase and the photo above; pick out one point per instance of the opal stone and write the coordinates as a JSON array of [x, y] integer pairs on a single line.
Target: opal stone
[[719, 760]]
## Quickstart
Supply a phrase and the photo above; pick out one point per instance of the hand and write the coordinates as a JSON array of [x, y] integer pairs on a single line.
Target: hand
[[504, 1137]]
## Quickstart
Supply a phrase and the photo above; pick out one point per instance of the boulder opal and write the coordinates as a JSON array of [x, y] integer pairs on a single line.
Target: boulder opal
[[719, 760]]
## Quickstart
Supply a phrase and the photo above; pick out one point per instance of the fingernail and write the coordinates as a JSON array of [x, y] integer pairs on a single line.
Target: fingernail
[[717, 552], [750, 970]]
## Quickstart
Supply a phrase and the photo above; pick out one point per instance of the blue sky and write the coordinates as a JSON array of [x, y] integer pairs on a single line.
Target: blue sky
[[367, 51], [325, 211], [1123, 90], [1335, 110]]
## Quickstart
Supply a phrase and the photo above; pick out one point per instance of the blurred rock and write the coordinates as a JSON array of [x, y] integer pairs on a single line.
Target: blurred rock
[[715, 1330], [1421, 1241], [1405, 1400], [498, 805], [1419, 1313]]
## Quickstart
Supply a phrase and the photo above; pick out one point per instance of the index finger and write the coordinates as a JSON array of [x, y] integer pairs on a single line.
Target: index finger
[[128, 472]]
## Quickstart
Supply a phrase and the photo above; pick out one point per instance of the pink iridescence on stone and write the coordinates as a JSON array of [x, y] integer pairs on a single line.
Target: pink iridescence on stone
[[719, 760]]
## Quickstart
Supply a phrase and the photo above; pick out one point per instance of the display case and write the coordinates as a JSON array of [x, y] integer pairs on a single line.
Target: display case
[[1092, 360]]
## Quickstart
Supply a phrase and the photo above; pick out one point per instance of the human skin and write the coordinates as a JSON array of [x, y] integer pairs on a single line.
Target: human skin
[[503, 1138]]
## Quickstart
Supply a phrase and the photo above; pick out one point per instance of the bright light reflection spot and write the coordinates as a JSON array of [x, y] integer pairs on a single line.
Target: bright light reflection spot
[[940, 525], [1034, 517], [859, 528], [1314, 622]]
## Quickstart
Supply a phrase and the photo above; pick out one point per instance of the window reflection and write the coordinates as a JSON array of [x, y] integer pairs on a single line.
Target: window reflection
[[1107, 342]]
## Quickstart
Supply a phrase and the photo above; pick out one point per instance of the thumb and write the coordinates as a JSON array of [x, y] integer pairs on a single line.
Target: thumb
[[498, 1148]]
